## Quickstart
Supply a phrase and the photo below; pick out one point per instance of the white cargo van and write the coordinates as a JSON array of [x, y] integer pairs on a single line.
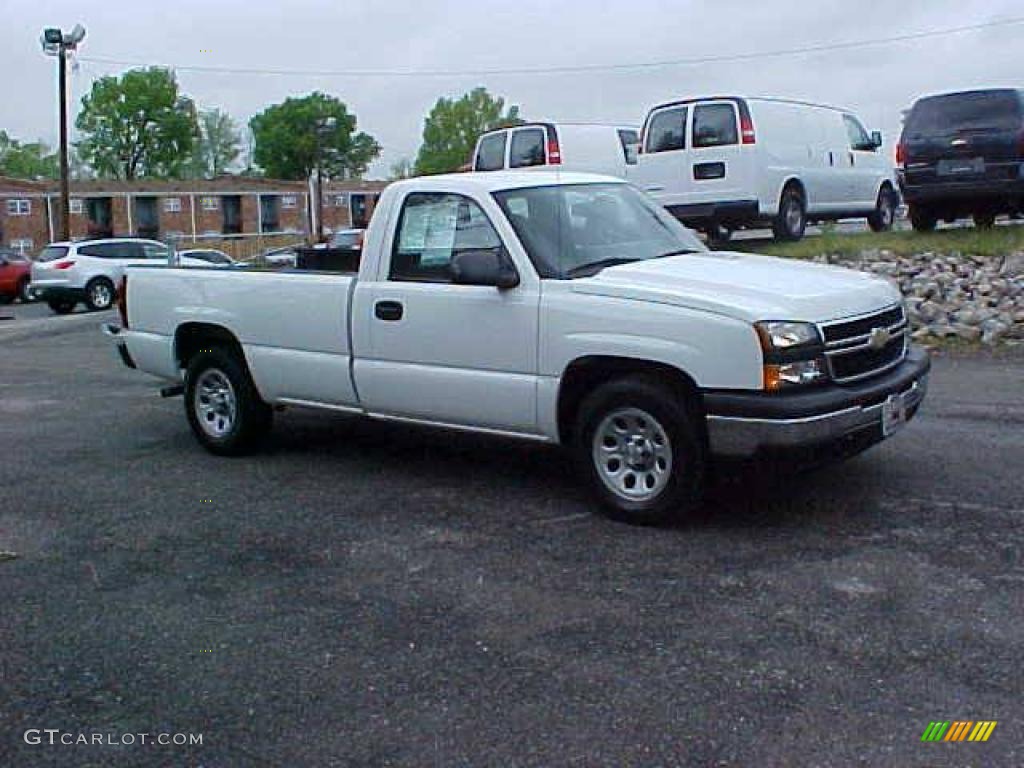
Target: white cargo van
[[723, 163], [578, 147]]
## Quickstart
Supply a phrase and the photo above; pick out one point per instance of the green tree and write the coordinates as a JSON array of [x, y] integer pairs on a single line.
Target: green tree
[[218, 145], [296, 136], [27, 160], [451, 129], [137, 125]]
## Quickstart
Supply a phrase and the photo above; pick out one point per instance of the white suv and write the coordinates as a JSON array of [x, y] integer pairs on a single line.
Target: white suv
[[89, 271]]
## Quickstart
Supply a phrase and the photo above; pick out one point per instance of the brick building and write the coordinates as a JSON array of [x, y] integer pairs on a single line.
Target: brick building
[[191, 210]]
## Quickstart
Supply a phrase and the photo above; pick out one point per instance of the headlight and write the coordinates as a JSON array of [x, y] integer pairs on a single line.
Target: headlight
[[794, 374], [793, 354], [779, 335]]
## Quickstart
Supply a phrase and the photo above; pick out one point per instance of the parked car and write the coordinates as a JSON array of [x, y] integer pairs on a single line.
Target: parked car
[[559, 308], [962, 154], [281, 258], [583, 147], [15, 276], [722, 163], [210, 255], [348, 238], [89, 271]]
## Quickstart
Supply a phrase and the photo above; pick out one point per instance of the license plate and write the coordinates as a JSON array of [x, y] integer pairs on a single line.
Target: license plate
[[894, 414], [958, 167]]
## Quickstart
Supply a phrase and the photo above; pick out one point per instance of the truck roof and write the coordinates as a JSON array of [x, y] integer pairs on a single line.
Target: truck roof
[[494, 181]]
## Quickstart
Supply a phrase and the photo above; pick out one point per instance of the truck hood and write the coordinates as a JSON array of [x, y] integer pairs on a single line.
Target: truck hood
[[745, 286]]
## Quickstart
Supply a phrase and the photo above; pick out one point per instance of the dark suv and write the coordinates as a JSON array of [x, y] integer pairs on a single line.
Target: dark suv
[[962, 154]]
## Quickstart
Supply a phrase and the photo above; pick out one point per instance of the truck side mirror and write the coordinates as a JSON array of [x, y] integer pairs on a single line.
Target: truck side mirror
[[876, 139], [484, 267]]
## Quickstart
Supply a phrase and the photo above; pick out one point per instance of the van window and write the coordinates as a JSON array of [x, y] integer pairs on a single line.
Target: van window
[[630, 140], [667, 131], [941, 115], [527, 148], [490, 156], [714, 125], [859, 138]]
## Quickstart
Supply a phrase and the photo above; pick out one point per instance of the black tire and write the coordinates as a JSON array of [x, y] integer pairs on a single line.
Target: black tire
[[984, 220], [99, 294], [922, 219], [884, 215], [62, 306], [681, 477], [791, 220], [250, 419], [6, 298], [25, 291]]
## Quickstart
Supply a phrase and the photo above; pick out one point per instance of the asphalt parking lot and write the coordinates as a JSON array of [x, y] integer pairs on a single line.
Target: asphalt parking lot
[[367, 595]]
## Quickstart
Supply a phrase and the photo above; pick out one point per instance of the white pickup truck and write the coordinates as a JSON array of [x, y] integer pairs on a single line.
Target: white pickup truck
[[557, 307]]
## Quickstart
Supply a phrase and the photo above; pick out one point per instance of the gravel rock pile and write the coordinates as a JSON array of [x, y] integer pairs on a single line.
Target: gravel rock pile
[[973, 298]]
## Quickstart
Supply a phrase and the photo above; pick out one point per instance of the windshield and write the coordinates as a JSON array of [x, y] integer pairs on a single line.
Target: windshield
[[574, 230]]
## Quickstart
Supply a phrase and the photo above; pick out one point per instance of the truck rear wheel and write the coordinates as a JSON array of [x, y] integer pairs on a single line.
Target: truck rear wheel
[[638, 446], [224, 410]]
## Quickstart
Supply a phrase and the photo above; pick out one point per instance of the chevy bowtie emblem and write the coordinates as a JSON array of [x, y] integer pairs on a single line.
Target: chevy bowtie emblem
[[879, 337]]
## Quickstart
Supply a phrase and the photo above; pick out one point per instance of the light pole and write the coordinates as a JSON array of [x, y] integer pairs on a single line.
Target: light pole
[[324, 127], [57, 43]]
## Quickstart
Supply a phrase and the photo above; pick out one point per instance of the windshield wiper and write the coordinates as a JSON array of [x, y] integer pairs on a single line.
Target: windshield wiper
[[592, 268], [680, 252]]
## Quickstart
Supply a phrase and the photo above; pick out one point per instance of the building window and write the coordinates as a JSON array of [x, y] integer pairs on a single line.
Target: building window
[[341, 201], [209, 203], [76, 206], [172, 204], [22, 245], [18, 207], [289, 201]]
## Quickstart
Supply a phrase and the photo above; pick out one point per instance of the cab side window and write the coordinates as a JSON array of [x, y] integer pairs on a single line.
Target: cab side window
[[490, 155], [433, 228], [667, 131], [859, 139]]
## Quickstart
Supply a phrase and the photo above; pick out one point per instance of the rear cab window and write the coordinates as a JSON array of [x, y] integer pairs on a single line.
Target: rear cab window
[[714, 125], [527, 148], [490, 153], [666, 130]]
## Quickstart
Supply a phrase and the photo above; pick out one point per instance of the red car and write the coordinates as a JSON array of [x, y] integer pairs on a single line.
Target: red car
[[15, 272]]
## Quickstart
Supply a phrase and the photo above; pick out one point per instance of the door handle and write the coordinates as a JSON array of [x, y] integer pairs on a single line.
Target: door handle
[[852, 159], [388, 310]]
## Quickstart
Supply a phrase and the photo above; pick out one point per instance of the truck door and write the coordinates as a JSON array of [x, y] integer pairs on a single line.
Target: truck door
[[439, 351]]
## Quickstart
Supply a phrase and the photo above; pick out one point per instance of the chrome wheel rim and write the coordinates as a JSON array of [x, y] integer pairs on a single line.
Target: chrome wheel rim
[[632, 454], [216, 406], [101, 296]]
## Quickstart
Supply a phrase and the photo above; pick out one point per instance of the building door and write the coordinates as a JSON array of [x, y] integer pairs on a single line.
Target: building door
[[231, 209], [359, 216], [147, 219]]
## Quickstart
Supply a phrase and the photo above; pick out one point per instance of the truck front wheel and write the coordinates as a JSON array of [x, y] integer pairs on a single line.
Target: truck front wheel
[[639, 448], [225, 411]]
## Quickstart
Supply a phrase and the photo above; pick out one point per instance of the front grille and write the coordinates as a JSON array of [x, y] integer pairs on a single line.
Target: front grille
[[852, 346]]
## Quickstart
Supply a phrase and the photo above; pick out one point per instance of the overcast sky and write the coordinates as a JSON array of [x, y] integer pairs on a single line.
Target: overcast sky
[[877, 82]]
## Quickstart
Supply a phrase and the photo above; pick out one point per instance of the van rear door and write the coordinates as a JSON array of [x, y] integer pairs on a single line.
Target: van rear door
[[662, 168], [721, 167]]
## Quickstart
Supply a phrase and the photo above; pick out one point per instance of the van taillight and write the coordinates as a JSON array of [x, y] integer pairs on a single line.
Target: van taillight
[[64, 265], [747, 128], [554, 153], [901, 153], [122, 301]]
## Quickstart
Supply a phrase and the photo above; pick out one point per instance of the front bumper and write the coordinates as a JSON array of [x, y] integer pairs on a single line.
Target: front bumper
[[744, 424]]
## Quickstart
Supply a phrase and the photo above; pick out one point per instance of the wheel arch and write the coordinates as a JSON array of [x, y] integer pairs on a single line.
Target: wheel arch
[[792, 180], [193, 337], [588, 372]]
